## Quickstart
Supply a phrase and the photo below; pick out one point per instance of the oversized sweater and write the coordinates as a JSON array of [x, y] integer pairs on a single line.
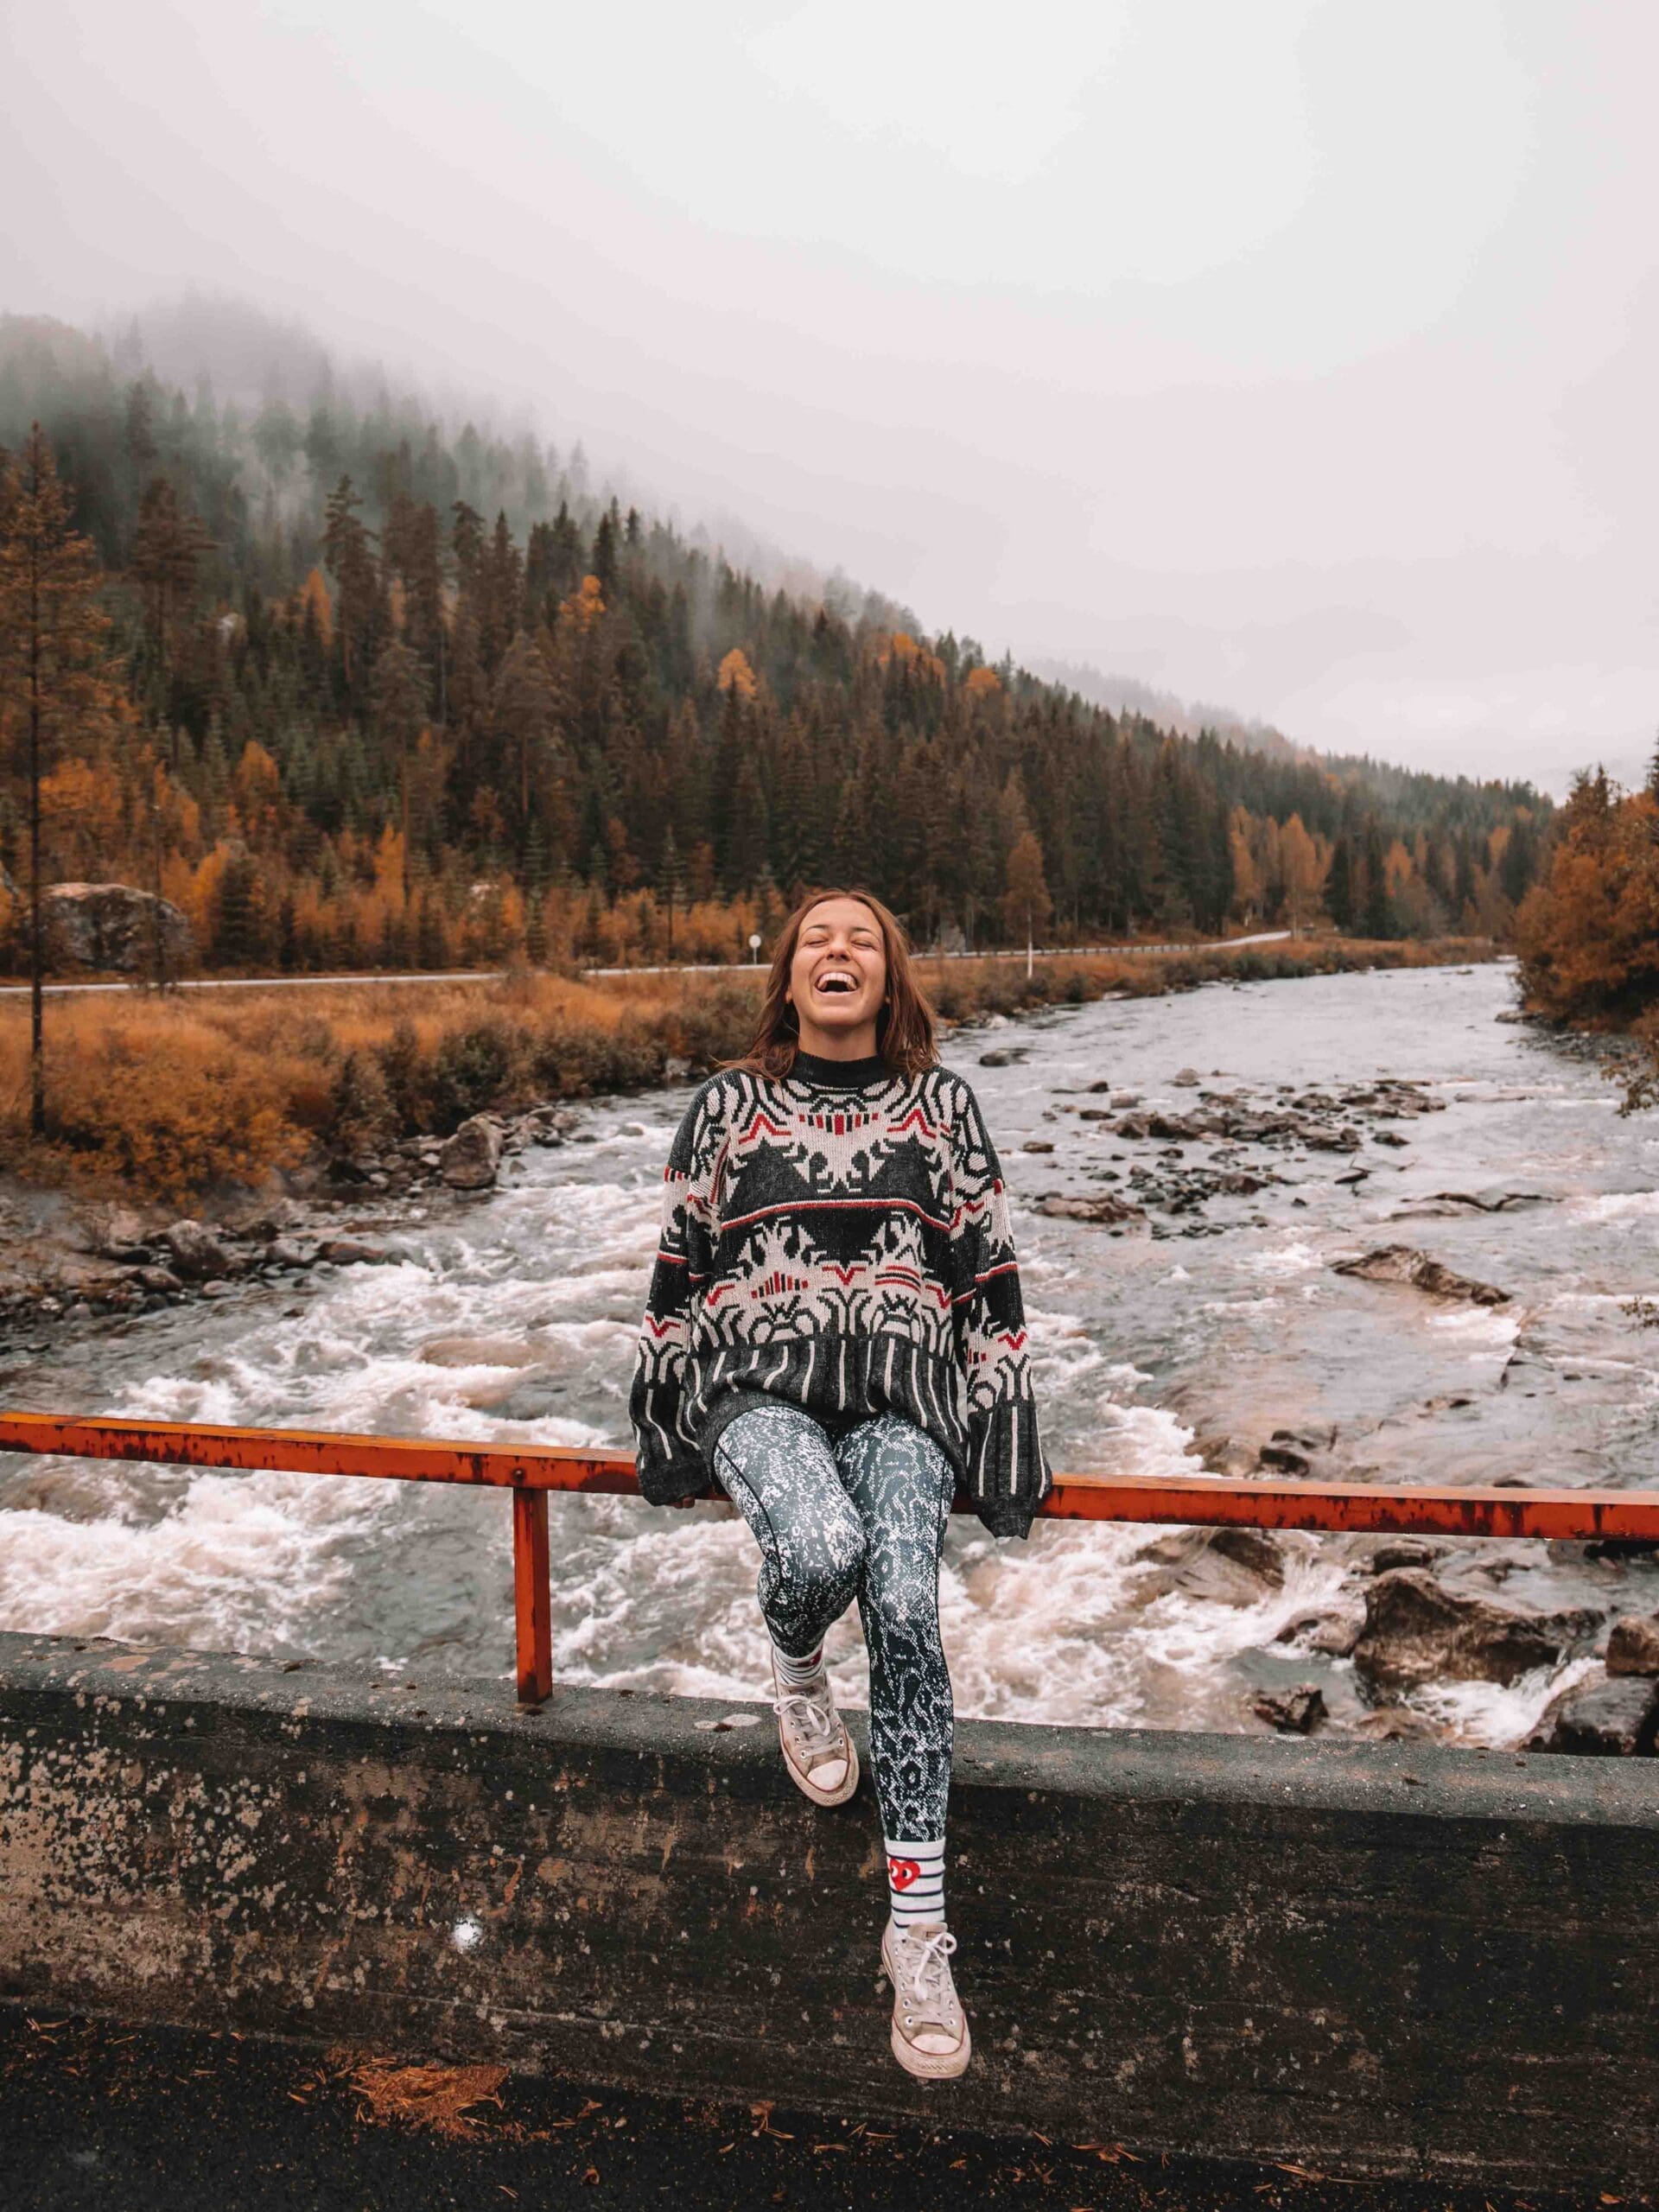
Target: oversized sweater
[[839, 1240]]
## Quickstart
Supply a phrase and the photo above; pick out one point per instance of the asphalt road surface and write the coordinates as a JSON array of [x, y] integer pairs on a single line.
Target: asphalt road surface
[[94, 2115]]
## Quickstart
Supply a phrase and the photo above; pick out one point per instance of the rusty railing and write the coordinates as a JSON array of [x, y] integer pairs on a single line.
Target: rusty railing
[[1209, 1501]]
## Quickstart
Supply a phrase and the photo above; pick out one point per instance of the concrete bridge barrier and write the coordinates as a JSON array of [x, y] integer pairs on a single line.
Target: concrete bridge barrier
[[1374, 1959]]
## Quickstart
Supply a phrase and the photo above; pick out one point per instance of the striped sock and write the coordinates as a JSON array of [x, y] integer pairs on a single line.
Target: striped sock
[[795, 1673], [915, 1881]]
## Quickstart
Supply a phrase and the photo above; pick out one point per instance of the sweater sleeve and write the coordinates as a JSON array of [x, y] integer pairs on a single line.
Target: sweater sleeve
[[667, 1457], [1008, 1474]]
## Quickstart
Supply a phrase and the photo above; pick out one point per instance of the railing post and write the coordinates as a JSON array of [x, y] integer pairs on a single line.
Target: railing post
[[532, 1595]]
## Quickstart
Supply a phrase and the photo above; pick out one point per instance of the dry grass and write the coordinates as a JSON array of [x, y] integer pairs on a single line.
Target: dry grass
[[167, 1097]]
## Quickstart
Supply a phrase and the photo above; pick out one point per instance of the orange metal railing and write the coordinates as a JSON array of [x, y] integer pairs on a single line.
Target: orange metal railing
[[1260, 1502]]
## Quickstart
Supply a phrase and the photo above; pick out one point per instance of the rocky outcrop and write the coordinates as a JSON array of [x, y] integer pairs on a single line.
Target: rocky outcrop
[[1404, 1263], [1417, 1631], [113, 925]]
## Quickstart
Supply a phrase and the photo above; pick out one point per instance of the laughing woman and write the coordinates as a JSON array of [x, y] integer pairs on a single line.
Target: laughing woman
[[835, 1332]]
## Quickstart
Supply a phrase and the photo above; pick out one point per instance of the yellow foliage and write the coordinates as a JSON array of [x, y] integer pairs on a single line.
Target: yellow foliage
[[1588, 935], [84, 812], [258, 785], [314, 596], [585, 604], [168, 1120], [737, 675], [389, 864], [900, 646], [982, 682]]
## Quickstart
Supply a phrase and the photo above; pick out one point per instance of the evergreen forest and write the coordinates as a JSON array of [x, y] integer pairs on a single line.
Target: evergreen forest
[[355, 686]]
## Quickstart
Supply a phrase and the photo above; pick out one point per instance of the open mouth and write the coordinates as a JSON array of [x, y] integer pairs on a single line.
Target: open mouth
[[837, 980]]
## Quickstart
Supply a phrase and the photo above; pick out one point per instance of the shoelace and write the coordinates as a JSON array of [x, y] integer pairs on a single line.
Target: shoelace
[[813, 1716], [927, 1971]]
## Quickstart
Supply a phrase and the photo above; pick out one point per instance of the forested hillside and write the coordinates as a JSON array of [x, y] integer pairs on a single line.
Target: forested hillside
[[375, 690]]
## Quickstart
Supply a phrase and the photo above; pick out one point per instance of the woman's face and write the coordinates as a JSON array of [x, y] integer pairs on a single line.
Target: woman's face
[[838, 977]]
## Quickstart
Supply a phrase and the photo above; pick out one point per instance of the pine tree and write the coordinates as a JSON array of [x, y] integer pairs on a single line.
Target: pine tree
[[1377, 919], [348, 548], [166, 549], [54, 679], [399, 696]]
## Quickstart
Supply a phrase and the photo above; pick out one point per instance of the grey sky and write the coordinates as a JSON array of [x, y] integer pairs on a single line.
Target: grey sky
[[1297, 354]]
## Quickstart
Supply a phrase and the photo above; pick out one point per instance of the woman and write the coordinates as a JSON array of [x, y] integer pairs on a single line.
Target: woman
[[835, 1330]]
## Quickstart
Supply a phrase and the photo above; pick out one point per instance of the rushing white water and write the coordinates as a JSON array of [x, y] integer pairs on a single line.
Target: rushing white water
[[513, 1317]]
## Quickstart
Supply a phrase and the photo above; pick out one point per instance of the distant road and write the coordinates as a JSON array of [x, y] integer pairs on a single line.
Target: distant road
[[686, 968], [1039, 952]]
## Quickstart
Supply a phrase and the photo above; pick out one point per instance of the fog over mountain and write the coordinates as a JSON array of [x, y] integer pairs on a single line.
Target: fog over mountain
[[1301, 360]]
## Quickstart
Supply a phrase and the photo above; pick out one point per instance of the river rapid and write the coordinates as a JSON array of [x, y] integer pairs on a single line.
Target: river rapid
[[1191, 1338]]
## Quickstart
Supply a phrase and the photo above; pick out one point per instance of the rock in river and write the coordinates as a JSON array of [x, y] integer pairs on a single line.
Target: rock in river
[[1633, 1647], [1405, 1263], [1604, 1718], [1105, 1207], [196, 1251], [1416, 1631], [471, 1159], [1293, 1712]]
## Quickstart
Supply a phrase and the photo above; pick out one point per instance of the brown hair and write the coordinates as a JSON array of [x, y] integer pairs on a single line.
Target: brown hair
[[904, 1027]]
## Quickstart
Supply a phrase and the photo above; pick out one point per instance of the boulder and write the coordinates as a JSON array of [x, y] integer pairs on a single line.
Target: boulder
[[1254, 1549], [1402, 1551], [113, 925], [118, 1233], [472, 1158], [1004, 1055], [197, 1254], [1606, 1717], [1405, 1263], [1633, 1646], [1293, 1712], [1416, 1631], [346, 1252]]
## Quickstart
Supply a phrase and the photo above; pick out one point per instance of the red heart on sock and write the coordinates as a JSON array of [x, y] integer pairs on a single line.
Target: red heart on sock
[[901, 1872]]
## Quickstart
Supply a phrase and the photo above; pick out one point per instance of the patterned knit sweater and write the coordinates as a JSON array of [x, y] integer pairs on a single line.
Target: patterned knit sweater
[[839, 1239]]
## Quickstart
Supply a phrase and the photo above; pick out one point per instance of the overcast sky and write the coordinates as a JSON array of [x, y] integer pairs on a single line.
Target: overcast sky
[[1291, 354]]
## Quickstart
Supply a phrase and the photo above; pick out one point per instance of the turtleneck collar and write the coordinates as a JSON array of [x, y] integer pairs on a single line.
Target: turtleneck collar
[[819, 1074]]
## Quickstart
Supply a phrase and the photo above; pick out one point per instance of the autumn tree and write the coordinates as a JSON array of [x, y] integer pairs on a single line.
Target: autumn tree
[[1302, 871], [1027, 906], [55, 680]]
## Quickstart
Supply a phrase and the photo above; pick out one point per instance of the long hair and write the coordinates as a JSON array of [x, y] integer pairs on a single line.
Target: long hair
[[904, 1027]]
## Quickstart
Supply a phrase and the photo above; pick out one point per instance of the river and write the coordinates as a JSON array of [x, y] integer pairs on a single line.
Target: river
[[1186, 1340]]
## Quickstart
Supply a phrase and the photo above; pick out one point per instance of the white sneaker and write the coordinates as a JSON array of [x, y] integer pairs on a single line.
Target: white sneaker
[[930, 2029], [818, 1750]]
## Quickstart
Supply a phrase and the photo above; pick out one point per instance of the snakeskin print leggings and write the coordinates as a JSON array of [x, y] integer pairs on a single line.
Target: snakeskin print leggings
[[864, 1517]]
